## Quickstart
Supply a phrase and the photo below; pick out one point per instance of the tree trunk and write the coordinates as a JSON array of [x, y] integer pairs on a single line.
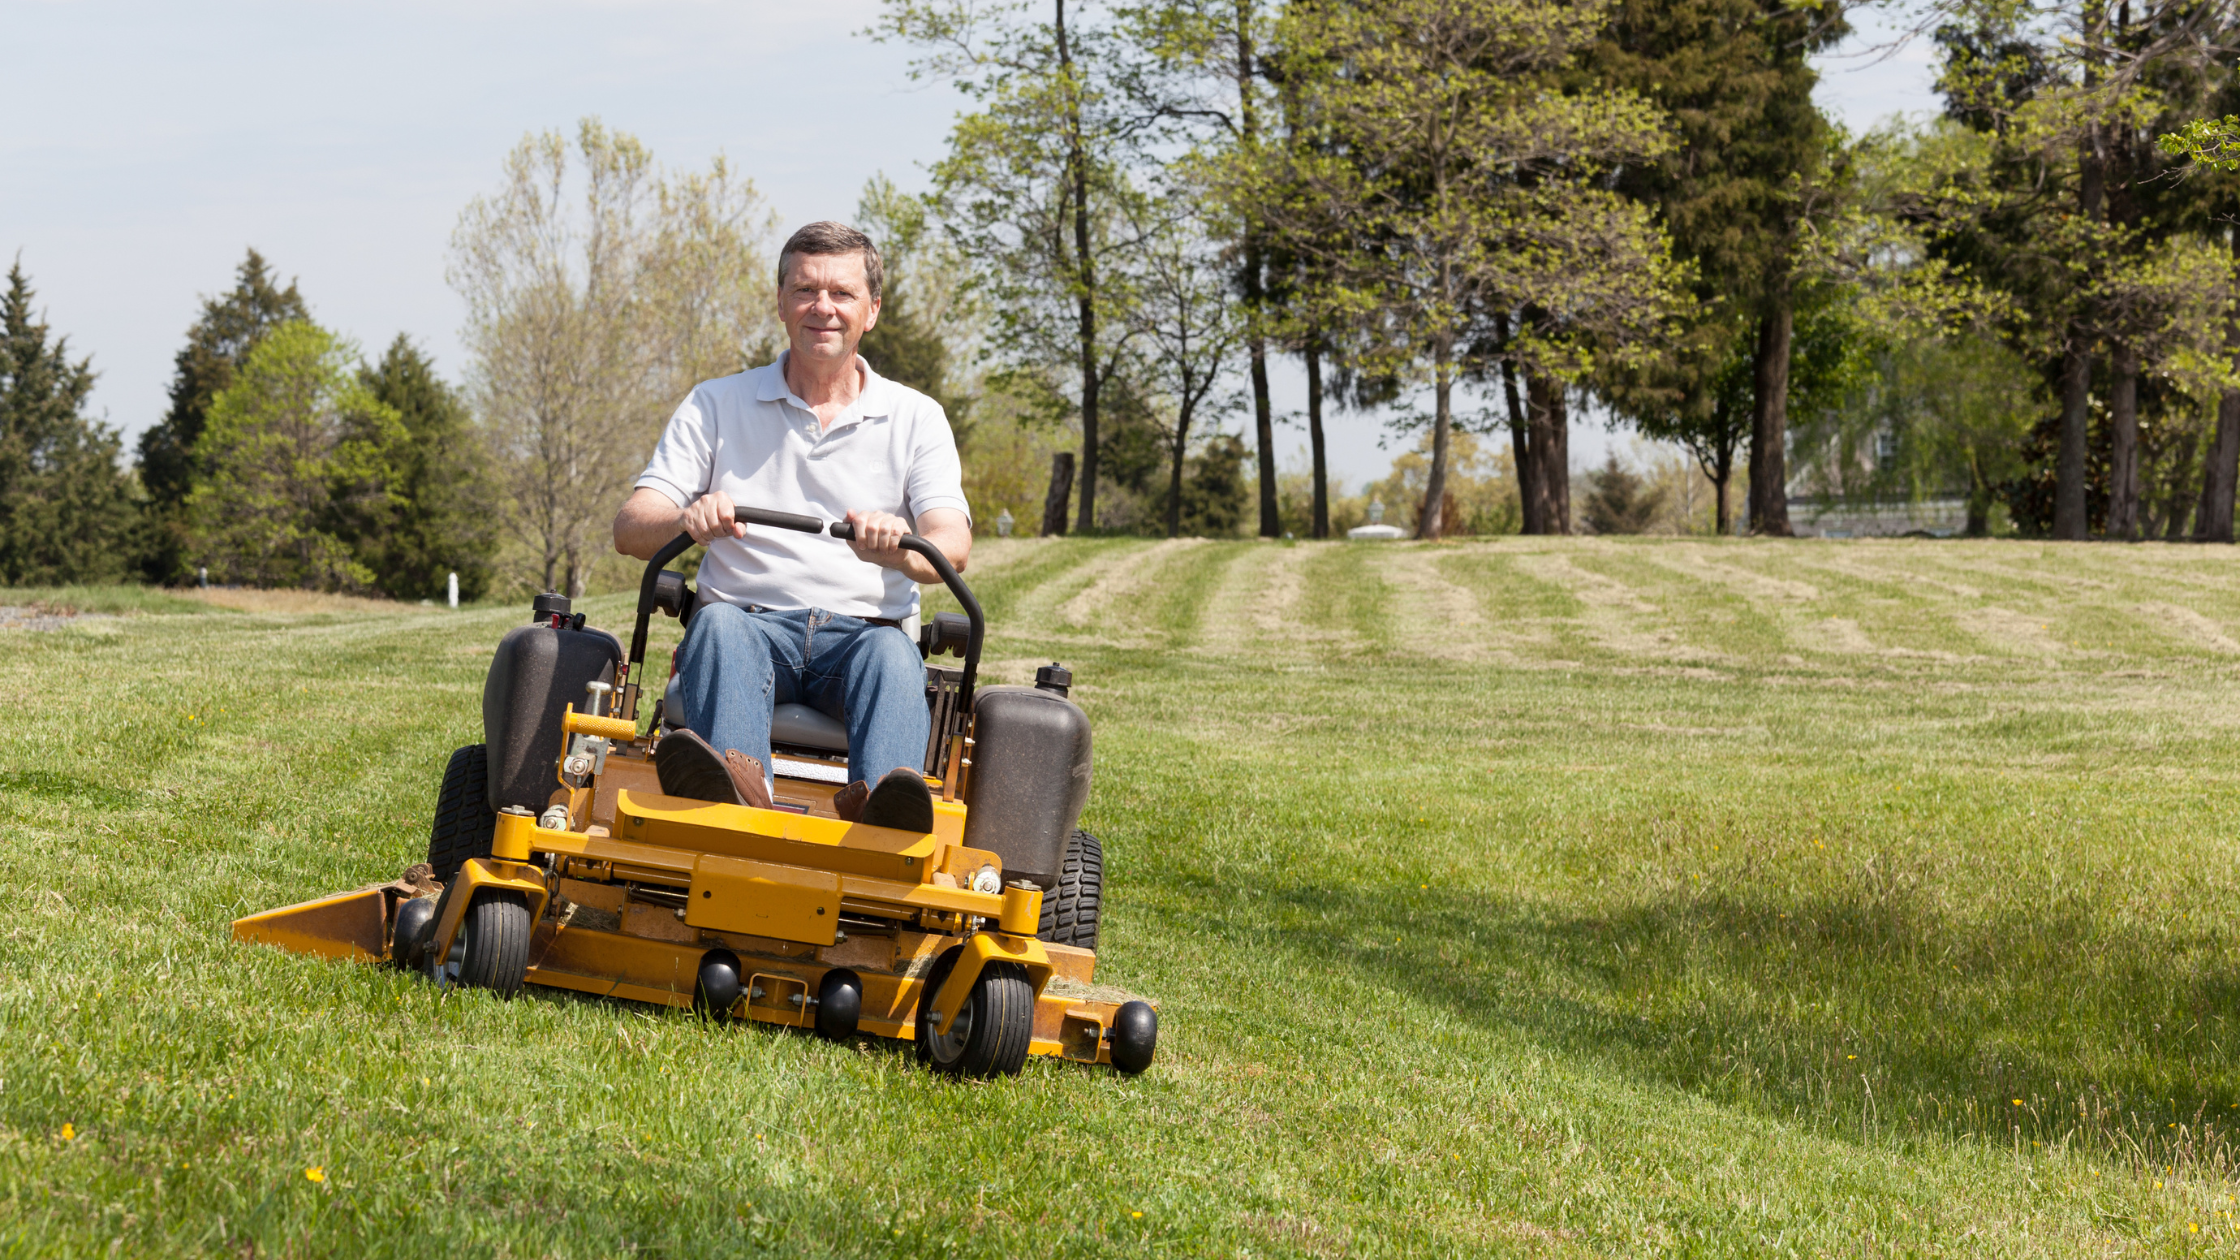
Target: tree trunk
[[1256, 346], [1551, 451], [2213, 523], [1264, 431], [1428, 522], [2069, 514], [1769, 416], [1520, 443], [1314, 440], [1061, 489], [1174, 479], [1979, 499], [2123, 456], [1085, 268], [1721, 515]]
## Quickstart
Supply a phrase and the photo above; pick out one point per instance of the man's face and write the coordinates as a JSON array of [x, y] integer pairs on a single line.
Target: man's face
[[827, 306]]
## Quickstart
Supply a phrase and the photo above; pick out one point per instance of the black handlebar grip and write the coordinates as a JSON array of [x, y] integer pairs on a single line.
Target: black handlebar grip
[[777, 520], [844, 530]]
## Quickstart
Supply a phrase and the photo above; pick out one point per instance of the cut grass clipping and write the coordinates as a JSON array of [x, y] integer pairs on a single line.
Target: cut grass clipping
[[1536, 896]]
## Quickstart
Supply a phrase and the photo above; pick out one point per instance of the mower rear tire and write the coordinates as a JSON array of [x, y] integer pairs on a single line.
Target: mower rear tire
[[989, 1036], [464, 827], [491, 950], [1069, 912]]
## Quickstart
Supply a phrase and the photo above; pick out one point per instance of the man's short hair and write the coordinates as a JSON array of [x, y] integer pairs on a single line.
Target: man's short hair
[[827, 237]]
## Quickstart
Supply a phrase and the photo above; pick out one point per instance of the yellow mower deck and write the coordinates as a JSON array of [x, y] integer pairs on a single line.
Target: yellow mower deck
[[640, 886]]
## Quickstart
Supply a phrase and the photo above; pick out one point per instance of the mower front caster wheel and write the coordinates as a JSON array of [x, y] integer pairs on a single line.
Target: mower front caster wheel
[[491, 950], [839, 1004], [989, 1036], [719, 987], [408, 937]]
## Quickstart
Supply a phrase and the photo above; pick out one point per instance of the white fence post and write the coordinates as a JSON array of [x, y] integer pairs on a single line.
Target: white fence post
[[454, 590]]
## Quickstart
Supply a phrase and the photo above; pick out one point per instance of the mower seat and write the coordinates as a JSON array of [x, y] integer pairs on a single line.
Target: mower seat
[[795, 724], [808, 728]]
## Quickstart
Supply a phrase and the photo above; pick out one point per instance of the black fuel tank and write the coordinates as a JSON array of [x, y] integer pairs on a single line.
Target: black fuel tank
[[540, 669], [1030, 778]]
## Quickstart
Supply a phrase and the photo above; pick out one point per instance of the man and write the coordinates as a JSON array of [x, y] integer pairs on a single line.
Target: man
[[788, 617]]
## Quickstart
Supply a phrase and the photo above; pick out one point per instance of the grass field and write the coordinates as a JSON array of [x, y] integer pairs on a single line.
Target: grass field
[[1538, 897]]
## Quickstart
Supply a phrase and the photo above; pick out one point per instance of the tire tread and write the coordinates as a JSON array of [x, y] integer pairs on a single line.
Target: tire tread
[[464, 827], [1071, 910], [498, 948]]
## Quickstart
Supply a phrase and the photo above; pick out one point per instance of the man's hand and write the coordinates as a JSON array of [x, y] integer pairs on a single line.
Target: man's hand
[[710, 517], [649, 519], [879, 536]]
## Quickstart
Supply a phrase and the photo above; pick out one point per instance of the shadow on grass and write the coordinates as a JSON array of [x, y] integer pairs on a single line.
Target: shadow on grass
[[55, 787], [1872, 1015]]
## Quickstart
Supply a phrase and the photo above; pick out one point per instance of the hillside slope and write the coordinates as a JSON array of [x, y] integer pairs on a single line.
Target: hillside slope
[[1549, 897]]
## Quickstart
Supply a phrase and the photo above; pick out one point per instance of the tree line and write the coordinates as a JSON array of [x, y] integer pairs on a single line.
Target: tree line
[[1482, 215], [1475, 216]]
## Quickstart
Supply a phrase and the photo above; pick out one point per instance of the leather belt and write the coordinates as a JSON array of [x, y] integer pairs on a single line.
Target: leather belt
[[881, 621]]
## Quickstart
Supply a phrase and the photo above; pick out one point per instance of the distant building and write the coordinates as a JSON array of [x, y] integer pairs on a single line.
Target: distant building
[[1815, 517]]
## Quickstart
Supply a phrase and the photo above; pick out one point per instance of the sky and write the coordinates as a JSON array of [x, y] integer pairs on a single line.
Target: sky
[[149, 145]]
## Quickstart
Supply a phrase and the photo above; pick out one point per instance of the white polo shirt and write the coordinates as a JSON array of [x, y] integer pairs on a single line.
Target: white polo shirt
[[750, 437]]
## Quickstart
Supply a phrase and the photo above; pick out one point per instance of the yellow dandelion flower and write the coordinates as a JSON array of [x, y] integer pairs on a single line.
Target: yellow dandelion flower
[[2192, 1228], [69, 1132], [1136, 1215], [2017, 1102], [315, 1173]]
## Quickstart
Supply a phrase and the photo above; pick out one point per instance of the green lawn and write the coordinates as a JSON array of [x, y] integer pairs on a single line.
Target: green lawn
[[1538, 897]]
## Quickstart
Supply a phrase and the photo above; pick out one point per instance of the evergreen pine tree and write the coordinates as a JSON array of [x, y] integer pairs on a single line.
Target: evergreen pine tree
[[217, 345], [1735, 78], [435, 517], [65, 505]]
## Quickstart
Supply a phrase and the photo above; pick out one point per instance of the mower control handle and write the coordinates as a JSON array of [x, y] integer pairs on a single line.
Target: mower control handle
[[807, 525]]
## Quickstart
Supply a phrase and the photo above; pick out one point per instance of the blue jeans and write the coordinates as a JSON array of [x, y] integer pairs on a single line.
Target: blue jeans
[[736, 664]]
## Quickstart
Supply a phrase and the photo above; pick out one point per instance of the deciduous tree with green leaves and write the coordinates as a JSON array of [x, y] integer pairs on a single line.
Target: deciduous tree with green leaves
[[1188, 327], [220, 340], [294, 424], [1205, 69], [1447, 167], [2069, 215], [600, 289], [1038, 190]]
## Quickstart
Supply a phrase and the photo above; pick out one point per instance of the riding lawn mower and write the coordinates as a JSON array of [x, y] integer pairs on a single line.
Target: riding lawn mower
[[554, 858]]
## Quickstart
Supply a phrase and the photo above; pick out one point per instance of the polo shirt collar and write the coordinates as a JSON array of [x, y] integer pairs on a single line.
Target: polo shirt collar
[[877, 398]]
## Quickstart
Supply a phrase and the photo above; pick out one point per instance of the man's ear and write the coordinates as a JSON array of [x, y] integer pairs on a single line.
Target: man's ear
[[872, 321]]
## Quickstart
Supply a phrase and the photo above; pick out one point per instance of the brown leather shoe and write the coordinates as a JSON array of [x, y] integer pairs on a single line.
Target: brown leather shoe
[[901, 801], [746, 776], [690, 767], [848, 801]]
